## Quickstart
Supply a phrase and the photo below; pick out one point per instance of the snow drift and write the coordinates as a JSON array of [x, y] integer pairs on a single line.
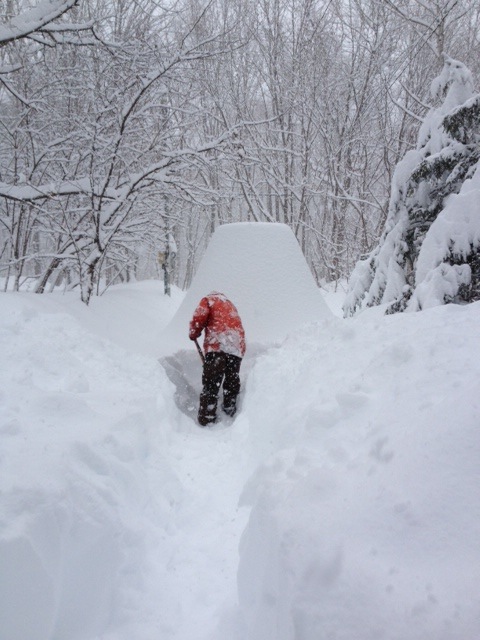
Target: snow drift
[[366, 507], [81, 422], [342, 502]]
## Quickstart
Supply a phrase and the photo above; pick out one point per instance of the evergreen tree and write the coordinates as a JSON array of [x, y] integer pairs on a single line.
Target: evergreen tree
[[429, 252]]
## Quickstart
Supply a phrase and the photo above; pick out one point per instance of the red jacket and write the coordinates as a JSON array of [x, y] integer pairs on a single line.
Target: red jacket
[[223, 327]]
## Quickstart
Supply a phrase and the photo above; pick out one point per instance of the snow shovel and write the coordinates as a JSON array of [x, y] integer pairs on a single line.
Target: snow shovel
[[200, 352]]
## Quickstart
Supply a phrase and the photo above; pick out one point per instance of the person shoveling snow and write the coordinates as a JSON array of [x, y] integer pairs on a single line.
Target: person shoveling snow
[[261, 268], [224, 346]]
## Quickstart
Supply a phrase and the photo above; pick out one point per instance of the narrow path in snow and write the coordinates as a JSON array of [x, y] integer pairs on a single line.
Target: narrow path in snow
[[208, 523]]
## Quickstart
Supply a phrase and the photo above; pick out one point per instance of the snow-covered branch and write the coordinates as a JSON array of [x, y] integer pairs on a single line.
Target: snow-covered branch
[[39, 19]]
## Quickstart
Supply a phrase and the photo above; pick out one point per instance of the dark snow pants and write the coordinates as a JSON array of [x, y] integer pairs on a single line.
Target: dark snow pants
[[219, 367]]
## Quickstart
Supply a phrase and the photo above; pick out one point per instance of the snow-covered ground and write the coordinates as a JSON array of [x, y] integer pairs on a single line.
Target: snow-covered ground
[[343, 501]]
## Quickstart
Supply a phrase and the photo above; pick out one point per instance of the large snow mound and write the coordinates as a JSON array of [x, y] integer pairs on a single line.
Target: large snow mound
[[366, 509], [351, 469], [82, 420], [261, 268]]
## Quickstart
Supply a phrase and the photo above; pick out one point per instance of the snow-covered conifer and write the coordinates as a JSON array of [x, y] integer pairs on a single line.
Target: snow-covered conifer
[[429, 251]]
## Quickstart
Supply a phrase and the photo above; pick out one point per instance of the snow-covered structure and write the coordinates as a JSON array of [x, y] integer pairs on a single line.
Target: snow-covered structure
[[261, 268], [429, 253]]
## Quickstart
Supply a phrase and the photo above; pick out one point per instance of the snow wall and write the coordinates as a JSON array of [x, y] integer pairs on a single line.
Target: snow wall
[[261, 268]]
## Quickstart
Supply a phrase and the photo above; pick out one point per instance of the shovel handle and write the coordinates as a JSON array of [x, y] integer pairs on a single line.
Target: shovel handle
[[200, 352]]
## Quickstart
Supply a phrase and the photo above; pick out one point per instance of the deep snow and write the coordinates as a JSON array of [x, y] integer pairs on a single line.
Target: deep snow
[[344, 497]]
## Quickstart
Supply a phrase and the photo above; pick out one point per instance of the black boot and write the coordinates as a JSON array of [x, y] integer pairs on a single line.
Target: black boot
[[207, 413], [229, 409]]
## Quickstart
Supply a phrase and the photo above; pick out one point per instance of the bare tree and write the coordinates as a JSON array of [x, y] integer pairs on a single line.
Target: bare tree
[[114, 136], [128, 123]]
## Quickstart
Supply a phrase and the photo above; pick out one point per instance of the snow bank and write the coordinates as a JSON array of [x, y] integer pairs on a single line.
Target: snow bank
[[131, 315], [260, 267], [82, 423], [366, 508], [349, 479]]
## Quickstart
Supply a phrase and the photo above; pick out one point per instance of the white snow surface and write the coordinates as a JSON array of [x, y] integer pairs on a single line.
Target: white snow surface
[[342, 502], [260, 267]]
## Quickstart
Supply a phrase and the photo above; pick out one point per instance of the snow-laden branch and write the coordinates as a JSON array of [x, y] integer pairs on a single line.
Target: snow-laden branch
[[31, 193], [37, 19], [405, 109]]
